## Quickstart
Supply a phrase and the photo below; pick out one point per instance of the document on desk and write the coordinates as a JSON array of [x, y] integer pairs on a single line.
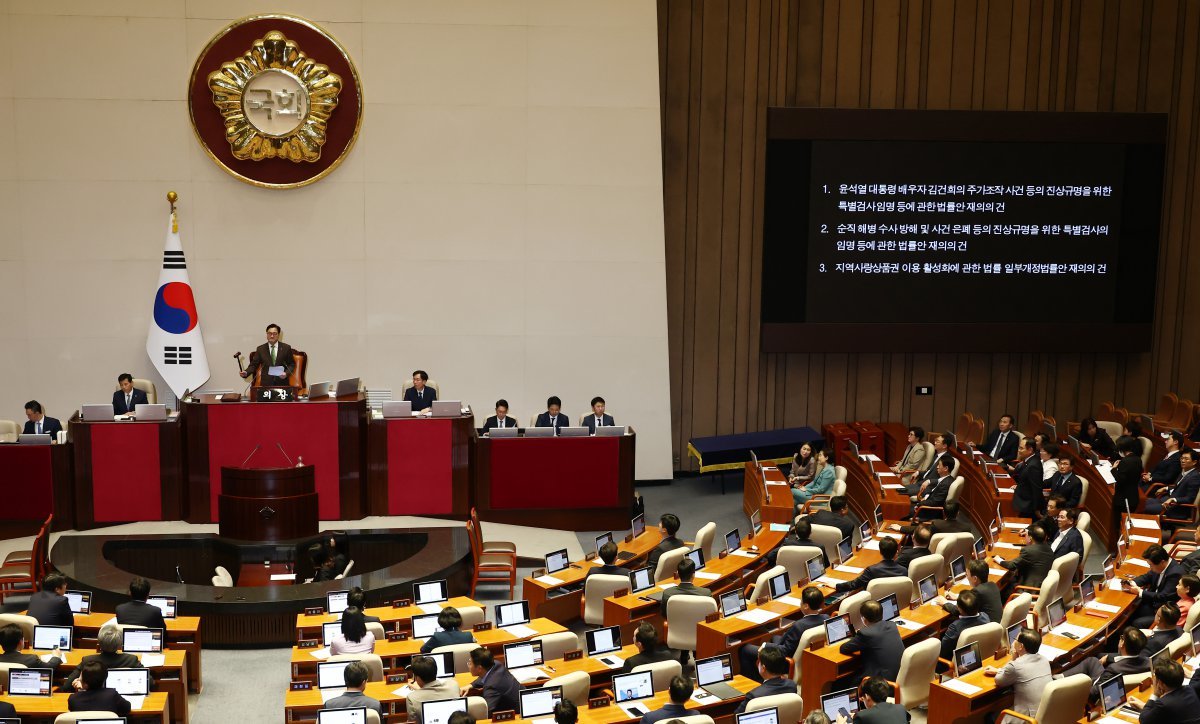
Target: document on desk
[[1145, 539], [997, 571], [828, 581], [910, 625], [706, 576], [1137, 562], [520, 630], [549, 580], [961, 686], [1143, 523], [321, 654], [665, 586], [776, 482], [848, 569], [744, 553], [1007, 490], [1050, 652], [1002, 544], [897, 536], [1106, 608], [871, 545], [1114, 584], [1016, 526], [135, 702], [276, 371], [757, 615], [790, 600], [1071, 630], [893, 486], [403, 691], [152, 660]]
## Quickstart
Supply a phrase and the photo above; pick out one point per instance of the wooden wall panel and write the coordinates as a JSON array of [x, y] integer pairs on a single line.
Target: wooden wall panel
[[724, 62]]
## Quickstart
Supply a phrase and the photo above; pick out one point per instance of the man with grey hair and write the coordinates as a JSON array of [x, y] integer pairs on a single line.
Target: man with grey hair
[[357, 674], [109, 642]]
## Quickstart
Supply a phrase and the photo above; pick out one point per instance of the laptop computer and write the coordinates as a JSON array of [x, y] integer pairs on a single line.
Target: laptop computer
[[29, 682], [602, 539], [573, 432], [169, 605], [838, 629], [320, 389], [351, 715], [46, 638], [557, 561], [142, 640], [638, 524], [1087, 590], [958, 568], [151, 412], [446, 408], [540, 431], [762, 716], [967, 659], [133, 684], [80, 602], [332, 629], [877, 517], [512, 614], [337, 601], [425, 625], [397, 408], [864, 531], [840, 703], [928, 589], [733, 540], [539, 703], [815, 567], [348, 386], [610, 431], [732, 603], [438, 711], [600, 641], [503, 432], [630, 689], [523, 659], [779, 586], [34, 439], [97, 413], [845, 550], [756, 522], [697, 557], [1013, 632], [427, 592], [642, 579], [714, 674], [1056, 613], [331, 678], [1112, 694], [445, 663], [980, 547]]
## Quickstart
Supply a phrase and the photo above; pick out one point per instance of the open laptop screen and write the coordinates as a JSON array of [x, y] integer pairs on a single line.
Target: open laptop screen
[[603, 640], [166, 604], [354, 715], [843, 703], [539, 702], [780, 585], [46, 638], [80, 601], [527, 653], [1112, 693], [733, 540], [438, 711], [512, 614], [331, 674], [643, 578], [638, 524], [143, 640], [762, 716], [29, 682], [425, 626], [557, 561], [631, 687], [838, 629], [714, 670], [966, 659], [732, 603], [816, 568], [430, 592], [337, 601]]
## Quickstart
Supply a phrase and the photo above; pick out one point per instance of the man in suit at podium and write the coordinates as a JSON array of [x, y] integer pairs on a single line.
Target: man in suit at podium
[[38, 423], [553, 416], [501, 418], [276, 355], [419, 395], [597, 418], [128, 397]]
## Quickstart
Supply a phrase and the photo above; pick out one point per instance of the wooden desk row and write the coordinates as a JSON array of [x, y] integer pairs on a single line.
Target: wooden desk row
[[393, 618], [560, 599], [46, 708], [170, 677], [183, 634]]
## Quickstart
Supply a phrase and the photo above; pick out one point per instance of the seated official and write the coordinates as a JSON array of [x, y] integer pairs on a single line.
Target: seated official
[[553, 416], [50, 605], [799, 534], [1069, 539], [126, 399], [969, 616], [493, 682], [501, 418], [1164, 629], [421, 397], [772, 672], [686, 572], [680, 690], [1027, 672], [941, 451], [93, 695], [1055, 504], [919, 548], [1130, 658], [1188, 589], [354, 638], [136, 612], [886, 568], [1168, 500], [1167, 470], [109, 641], [565, 712], [608, 556], [1001, 443], [909, 465], [822, 483], [358, 599], [650, 649], [1048, 455], [276, 359], [876, 709], [1032, 563], [322, 563], [668, 526], [804, 466], [948, 524], [1066, 483], [933, 493], [12, 641], [426, 686], [987, 594], [811, 603], [356, 674], [1174, 703], [838, 516], [878, 642], [1156, 587], [450, 621], [336, 545], [598, 418], [38, 423], [1095, 438]]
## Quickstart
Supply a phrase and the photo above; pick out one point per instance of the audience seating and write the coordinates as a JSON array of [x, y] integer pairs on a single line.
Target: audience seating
[[668, 564], [1065, 567], [704, 539], [575, 686], [373, 661], [596, 588], [1062, 703], [917, 668], [461, 653], [491, 546], [683, 613], [790, 706], [555, 645], [988, 636]]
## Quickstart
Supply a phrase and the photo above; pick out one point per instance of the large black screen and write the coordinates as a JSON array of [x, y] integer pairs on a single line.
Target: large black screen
[[963, 231]]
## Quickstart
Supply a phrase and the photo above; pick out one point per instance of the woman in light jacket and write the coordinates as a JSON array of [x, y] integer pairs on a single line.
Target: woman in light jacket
[[804, 466], [822, 482]]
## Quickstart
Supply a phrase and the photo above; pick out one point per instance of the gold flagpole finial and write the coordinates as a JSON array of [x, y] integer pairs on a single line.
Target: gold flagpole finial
[[172, 197]]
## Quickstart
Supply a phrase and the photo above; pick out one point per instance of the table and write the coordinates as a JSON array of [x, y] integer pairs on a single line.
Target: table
[[46, 708], [581, 483], [170, 677], [36, 480], [397, 618], [183, 634], [729, 452], [772, 499], [550, 600], [420, 466], [328, 434], [126, 471]]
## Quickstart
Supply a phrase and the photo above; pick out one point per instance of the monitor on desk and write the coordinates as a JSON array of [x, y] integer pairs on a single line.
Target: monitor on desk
[[337, 601], [1112, 693], [1108, 567], [958, 568], [522, 654], [539, 432], [46, 638], [1049, 431], [756, 522], [928, 588], [877, 517], [603, 640], [610, 431], [151, 412], [557, 561], [129, 682], [864, 531], [1087, 589], [697, 556], [540, 701], [394, 409], [169, 605], [446, 408], [1013, 632], [431, 592], [97, 413], [319, 389], [438, 711], [853, 448], [643, 578], [980, 548], [80, 602], [842, 703], [142, 640], [732, 603], [714, 670], [351, 715], [425, 625], [1056, 612], [602, 539], [638, 524], [503, 432], [330, 630], [733, 540], [891, 607], [967, 659], [572, 431], [845, 550], [29, 682], [29, 438], [512, 614], [815, 567], [348, 386], [631, 687], [780, 585], [445, 663], [838, 629], [762, 716], [1074, 443]]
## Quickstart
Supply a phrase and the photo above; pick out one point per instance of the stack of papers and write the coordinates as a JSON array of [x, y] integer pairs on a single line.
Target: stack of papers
[[283, 576], [828, 581], [848, 569], [1137, 562], [780, 527], [1063, 629], [790, 600], [1114, 584], [665, 586], [776, 482], [1143, 523], [905, 623], [152, 660], [869, 457], [520, 631], [997, 571], [706, 576], [962, 686], [1002, 544], [321, 654], [871, 545], [528, 674], [1050, 652], [430, 607], [893, 486], [403, 691], [744, 553], [549, 580], [1145, 539], [1016, 526], [757, 615], [1106, 608]]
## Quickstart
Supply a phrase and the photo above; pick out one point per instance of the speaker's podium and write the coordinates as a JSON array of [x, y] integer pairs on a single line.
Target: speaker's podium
[[268, 504]]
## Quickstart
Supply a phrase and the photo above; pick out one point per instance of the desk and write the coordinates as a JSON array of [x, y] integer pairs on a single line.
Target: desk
[[730, 452], [183, 634], [46, 708], [126, 471], [303, 705], [170, 677], [549, 600], [581, 483], [36, 480], [420, 466], [393, 619], [329, 434], [774, 502]]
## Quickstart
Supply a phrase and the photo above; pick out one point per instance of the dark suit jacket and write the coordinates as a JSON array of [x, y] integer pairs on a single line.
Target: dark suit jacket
[[9, 710], [607, 570], [561, 420], [955, 629], [1008, 451], [51, 609], [881, 649], [119, 408], [1156, 595], [1157, 640], [1027, 493], [662, 653], [930, 473], [882, 713], [829, 518], [29, 661], [99, 700], [1167, 471], [935, 494], [1069, 486], [882, 569], [424, 402], [1139, 664], [1102, 444], [990, 602], [590, 422], [50, 426], [791, 638], [669, 711], [446, 638], [262, 356], [1050, 526], [908, 555], [500, 688], [683, 589], [1072, 542], [1032, 564], [140, 613], [509, 421], [1181, 706], [1184, 492], [111, 661], [770, 687], [940, 525], [665, 545]]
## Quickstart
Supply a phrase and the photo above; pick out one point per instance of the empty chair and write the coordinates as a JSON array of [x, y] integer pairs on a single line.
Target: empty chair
[[1083, 493], [790, 706], [952, 545], [668, 564], [575, 686], [851, 605], [662, 672], [902, 586], [477, 707], [1045, 597], [461, 652], [1065, 567], [222, 573], [490, 567], [839, 472], [595, 590], [930, 565], [555, 645], [74, 716], [492, 546], [471, 615], [1017, 609], [760, 584], [795, 560], [821, 501], [9, 430], [696, 719], [684, 612], [704, 539], [917, 667], [988, 636], [373, 662], [1193, 618], [1063, 702]]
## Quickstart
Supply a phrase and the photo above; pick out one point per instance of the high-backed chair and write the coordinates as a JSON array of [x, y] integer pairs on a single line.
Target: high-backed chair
[[461, 653], [575, 686], [987, 635], [917, 667], [1017, 609], [1083, 493], [821, 502], [555, 645], [490, 567], [936, 511], [1147, 448], [1064, 701], [902, 586], [790, 706], [952, 545], [373, 661], [298, 378], [1065, 566], [9, 430], [477, 708], [491, 546], [25, 622], [662, 672], [684, 613], [696, 719], [852, 604], [704, 539], [814, 634], [828, 537], [223, 574], [759, 587], [1112, 427], [376, 630], [73, 716], [839, 472], [1181, 644], [472, 615], [1193, 618], [428, 383], [1045, 597], [930, 565], [668, 564], [795, 559], [596, 588]]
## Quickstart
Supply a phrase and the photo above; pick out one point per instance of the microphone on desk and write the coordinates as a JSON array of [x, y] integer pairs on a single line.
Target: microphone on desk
[[178, 574], [256, 447]]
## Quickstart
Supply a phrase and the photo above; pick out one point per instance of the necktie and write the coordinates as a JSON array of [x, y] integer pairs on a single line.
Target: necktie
[[501, 422], [599, 421], [128, 402], [420, 394], [999, 444], [272, 354], [39, 427]]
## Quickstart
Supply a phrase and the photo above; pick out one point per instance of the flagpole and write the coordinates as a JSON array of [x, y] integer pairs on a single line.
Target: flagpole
[[172, 197]]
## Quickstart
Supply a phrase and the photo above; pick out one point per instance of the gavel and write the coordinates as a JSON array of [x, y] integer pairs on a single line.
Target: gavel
[[238, 356]]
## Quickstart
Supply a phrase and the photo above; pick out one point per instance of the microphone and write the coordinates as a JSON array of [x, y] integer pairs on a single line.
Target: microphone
[[289, 458], [178, 574], [256, 447]]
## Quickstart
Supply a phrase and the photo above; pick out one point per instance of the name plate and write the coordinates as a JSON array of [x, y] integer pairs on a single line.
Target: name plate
[[273, 394]]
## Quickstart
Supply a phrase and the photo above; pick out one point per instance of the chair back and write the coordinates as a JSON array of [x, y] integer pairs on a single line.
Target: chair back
[[9, 430], [1083, 493], [1193, 618], [902, 586], [298, 378], [839, 472], [4, 667], [704, 538], [223, 573], [955, 489], [760, 584], [471, 615], [376, 629], [473, 538], [851, 605], [668, 564], [148, 387], [794, 558], [1112, 427], [461, 652], [1064, 701], [695, 719], [373, 661], [1045, 596], [930, 452], [373, 717], [790, 706], [917, 667], [25, 622], [1017, 609], [1065, 566], [930, 565], [555, 645], [684, 613], [477, 708], [662, 672], [953, 545], [839, 488], [575, 686], [827, 537], [1182, 643], [987, 635], [962, 427], [976, 433], [814, 634], [1147, 448], [73, 716], [597, 588]]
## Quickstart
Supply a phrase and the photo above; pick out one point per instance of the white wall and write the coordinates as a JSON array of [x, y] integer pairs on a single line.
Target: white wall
[[510, 150]]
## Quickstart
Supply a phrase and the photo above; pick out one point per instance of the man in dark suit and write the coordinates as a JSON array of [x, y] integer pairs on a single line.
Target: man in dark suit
[[650, 650], [686, 571], [1130, 658], [92, 695], [800, 534], [838, 516], [1069, 539], [886, 568], [949, 524], [1156, 587], [1001, 443], [1027, 477], [109, 640], [492, 682], [49, 605], [136, 611], [1066, 483], [273, 353], [920, 547], [12, 641], [1175, 703], [501, 418], [987, 594], [941, 449], [969, 616], [1165, 628], [1034, 561], [811, 602], [879, 643], [1167, 470], [128, 397], [679, 690], [597, 418], [668, 526], [772, 670], [608, 557], [358, 599], [38, 423], [1055, 504], [933, 494], [421, 396], [1183, 492], [876, 707], [553, 416]]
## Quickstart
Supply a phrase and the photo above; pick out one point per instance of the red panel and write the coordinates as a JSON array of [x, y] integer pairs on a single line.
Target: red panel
[[307, 430], [126, 472], [420, 478], [26, 482], [555, 472]]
